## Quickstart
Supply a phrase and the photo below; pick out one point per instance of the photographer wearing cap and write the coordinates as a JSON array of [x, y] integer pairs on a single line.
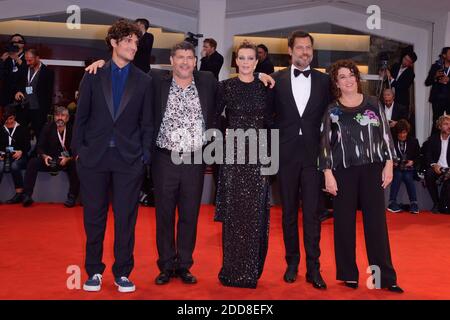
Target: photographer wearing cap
[[12, 64], [14, 146], [54, 155]]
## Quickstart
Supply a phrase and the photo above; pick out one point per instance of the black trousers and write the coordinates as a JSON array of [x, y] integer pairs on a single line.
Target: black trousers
[[176, 186], [363, 183], [294, 175], [37, 164], [443, 198], [112, 176]]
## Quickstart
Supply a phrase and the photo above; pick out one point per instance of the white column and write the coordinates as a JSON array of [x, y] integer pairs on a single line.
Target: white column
[[211, 23], [447, 33]]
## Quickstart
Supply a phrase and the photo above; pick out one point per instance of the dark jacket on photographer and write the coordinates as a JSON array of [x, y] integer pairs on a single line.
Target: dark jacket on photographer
[[20, 139], [410, 151], [433, 150], [49, 143], [440, 93], [10, 74]]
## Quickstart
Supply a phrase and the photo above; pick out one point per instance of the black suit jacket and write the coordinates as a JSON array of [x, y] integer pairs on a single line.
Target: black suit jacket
[[95, 125], [265, 67], [213, 63], [20, 139], [288, 120], [49, 144], [206, 86], [412, 148], [144, 52], [440, 93], [10, 80], [403, 84], [44, 89], [433, 149], [399, 112]]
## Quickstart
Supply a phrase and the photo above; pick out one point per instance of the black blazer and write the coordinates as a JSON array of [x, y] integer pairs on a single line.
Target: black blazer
[[44, 90], [206, 86], [20, 139], [213, 63], [144, 52], [412, 148], [440, 93], [49, 144], [265, 67], [403, 84], [10, 80], [287, 118], [399, 112], [95, 125], [433, 149]]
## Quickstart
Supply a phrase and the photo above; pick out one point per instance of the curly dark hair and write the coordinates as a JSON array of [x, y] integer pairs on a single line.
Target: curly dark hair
[[247, 45], [349, 64], [402, 125], [121, 29]]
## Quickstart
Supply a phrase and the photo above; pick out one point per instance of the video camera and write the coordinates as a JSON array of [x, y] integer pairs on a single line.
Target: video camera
[[444, 176], [193, 38]]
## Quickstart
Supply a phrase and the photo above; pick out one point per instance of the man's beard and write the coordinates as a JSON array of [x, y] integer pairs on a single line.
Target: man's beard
[[60, 123]]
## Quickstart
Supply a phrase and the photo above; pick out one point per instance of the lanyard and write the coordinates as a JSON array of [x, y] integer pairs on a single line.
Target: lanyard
[[34, 75], [10, 138], [62, 139], [447, 72], [400, 149]]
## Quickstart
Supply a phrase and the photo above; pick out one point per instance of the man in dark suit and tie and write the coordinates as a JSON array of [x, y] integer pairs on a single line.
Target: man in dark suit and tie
[[299, 100], [184, 107], [112, 139]]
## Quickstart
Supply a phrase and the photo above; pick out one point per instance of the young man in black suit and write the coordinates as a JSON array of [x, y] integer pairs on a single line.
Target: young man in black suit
[[299, 100], [211, 60], [112, 139], [439, 80]]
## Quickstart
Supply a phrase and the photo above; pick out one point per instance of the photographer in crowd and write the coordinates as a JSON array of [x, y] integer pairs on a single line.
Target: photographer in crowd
[[12, 64], [438, 79], [14, 146], [408, 150], [35, 90], [438, 158], [54, 155]]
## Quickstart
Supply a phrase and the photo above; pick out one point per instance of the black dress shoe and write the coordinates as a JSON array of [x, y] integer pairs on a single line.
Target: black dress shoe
[[163, 277], [325, 215], [27, 201], [18, 197], [291, 274], [353, 285], [317, 282], [186, 276], [71, 201], [395, 288]]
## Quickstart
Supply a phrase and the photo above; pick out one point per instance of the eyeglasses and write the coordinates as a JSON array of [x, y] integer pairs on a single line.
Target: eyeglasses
[[17, 42]]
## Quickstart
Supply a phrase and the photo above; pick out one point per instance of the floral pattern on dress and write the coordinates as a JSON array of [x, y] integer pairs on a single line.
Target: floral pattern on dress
[[369, 117]]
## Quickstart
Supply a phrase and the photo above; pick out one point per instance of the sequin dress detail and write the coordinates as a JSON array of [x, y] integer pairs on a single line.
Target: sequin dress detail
[[242, 202]]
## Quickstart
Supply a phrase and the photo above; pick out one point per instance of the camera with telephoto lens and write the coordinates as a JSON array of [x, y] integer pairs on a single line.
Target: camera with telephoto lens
[[402, 162], [7, 159], [445, 175]]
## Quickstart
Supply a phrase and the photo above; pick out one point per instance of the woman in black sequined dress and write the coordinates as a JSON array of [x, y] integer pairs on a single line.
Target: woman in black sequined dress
[[242, 203]]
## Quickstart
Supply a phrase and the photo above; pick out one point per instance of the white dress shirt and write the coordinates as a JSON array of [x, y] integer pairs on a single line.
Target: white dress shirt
[[388, 111], [301, 89], [443, 157]]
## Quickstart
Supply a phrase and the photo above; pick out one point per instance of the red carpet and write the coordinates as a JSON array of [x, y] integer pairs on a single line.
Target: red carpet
[[38, 244]]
